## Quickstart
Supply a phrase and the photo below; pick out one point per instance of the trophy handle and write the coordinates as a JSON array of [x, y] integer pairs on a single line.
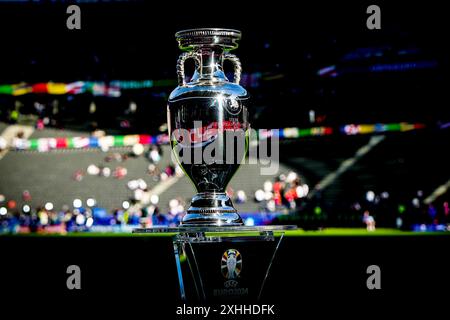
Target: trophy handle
[[237, 66], [180, 65]]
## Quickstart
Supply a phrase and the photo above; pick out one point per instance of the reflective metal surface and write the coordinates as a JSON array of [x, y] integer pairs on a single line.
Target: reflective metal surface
[[192, 38], [203, 114]]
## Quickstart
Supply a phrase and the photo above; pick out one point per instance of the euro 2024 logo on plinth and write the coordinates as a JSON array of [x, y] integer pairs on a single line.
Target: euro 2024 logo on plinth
[[231, 267], [231, 264]]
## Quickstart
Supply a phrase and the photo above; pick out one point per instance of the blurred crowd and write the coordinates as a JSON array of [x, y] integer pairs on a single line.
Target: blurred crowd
[[372, 209], [120, 171], [410, 213], [142, 211], [286, 192]]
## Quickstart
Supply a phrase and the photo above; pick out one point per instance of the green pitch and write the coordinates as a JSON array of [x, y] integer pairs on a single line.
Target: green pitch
[[359, 232]]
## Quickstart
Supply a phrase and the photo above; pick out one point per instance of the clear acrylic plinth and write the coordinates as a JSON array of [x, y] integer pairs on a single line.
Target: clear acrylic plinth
[[223, 263], [204, 229]]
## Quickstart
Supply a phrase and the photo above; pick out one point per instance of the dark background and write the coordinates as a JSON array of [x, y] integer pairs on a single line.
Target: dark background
[[136, 41], [311, 276]]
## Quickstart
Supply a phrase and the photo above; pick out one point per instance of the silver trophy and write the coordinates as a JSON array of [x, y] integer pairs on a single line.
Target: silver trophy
[[208, 123], [209, 135]]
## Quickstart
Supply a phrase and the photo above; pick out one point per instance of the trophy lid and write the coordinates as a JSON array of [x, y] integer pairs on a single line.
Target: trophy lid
[[226, 38]]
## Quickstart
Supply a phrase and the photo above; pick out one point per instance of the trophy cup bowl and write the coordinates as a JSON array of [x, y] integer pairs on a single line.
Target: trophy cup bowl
[[208, 123]]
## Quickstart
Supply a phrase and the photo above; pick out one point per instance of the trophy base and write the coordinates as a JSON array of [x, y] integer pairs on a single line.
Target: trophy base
[[212, 209], [204, 257]]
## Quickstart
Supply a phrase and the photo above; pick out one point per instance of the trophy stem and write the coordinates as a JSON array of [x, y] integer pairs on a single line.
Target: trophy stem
[[211, 208]]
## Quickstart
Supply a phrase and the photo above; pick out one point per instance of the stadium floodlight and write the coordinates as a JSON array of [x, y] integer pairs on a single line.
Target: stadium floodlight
[[77, 203]]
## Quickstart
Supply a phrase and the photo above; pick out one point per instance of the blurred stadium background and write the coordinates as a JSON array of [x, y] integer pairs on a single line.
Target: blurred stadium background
[[364, 131]]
